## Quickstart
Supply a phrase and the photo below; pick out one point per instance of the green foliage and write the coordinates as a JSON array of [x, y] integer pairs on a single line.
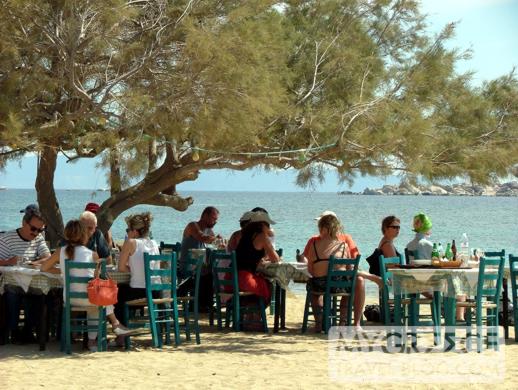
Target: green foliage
[[242, 81]]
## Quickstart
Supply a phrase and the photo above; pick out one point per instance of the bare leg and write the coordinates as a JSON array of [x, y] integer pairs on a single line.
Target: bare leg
[[317, 303], [359, 300], [461, 310]]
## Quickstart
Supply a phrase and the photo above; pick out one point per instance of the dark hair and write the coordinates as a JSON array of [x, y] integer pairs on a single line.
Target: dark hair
[[387, 221], [255, 209], [209, 210], [253, 228], [32, 211], [140, 222], [76, 234]]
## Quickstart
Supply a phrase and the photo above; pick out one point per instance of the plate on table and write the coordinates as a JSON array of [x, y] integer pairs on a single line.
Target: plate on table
[[421, 262]]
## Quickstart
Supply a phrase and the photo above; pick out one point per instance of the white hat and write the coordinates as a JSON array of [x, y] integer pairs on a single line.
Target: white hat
[[326, 213], [259, 216], [246, 216]]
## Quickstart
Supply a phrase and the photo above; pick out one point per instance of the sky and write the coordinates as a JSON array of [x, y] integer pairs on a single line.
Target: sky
[[488, 27]]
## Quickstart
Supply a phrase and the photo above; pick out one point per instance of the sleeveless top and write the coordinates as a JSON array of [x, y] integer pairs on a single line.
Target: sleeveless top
[[81, 255], [136, 261], [247, 256], [318, 259], [188, 243]]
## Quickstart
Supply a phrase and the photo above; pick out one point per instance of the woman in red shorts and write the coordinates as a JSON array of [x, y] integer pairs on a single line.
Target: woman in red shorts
[[253, 248]]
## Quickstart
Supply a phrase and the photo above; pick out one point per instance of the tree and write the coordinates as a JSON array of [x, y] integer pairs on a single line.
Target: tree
[[162, 91]]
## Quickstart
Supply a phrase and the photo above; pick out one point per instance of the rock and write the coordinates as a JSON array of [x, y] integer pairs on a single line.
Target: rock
[[368, 191], [388, 189], [437, 190], [459, 189]]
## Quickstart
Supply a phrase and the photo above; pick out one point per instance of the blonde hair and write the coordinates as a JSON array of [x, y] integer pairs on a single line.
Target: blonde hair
[[76, 234], [140, 222], [332, 224]]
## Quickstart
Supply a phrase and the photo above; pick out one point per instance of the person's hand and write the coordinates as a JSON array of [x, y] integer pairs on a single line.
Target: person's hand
[[12, 261]]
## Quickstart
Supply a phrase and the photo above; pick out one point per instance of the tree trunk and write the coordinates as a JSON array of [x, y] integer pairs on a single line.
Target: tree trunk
[[47, 196], [115, 172]]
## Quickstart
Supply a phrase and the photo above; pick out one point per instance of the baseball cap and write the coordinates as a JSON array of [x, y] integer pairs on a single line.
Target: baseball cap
[[32, 208], [246, 216], [326, 213], [259, 216], [92, 207]]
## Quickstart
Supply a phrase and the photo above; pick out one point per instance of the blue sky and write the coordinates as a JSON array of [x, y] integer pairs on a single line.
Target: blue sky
[[488, 27]]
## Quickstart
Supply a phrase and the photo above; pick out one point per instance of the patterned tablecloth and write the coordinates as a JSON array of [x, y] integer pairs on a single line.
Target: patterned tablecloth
[[282, 273], [450, 282], [42, 281]]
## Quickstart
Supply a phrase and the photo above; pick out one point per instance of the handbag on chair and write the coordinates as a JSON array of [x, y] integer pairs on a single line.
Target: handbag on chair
[[102, 292]]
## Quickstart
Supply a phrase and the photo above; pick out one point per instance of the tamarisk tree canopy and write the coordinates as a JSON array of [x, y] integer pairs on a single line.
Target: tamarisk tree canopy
[[161, 90]]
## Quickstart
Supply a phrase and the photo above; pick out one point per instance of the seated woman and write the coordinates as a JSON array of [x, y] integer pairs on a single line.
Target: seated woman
[[420, 244], [76, 235], [317, 253], [390, 227], [253, 248], [132, 260]]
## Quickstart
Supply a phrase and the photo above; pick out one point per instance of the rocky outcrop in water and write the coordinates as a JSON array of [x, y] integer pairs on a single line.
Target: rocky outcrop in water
[[405, 188]]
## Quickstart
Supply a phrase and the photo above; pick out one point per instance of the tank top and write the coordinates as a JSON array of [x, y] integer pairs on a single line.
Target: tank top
[[247, 256], [81, 255], [136, 261]]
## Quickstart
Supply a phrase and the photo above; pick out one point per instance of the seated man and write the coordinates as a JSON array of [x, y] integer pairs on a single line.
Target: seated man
[[94, 208], [96, 242], [195, 236], [23, 245]]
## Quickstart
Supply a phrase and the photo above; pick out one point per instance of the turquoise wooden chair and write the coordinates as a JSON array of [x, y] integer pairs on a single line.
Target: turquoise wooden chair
[[80, 323], [489, 287], [194, 265], [412, 302], [227, 288], [308, 310], [167, 248], [513, 268], [163, 310], [339, 279], [332, 298]]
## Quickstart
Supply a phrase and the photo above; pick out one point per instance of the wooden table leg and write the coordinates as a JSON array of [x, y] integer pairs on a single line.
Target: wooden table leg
[[450, 305], [283, 308], [41, 329], [277, 315]]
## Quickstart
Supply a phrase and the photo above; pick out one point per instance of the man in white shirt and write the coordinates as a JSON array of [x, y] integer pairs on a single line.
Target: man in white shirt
[[20, 246]]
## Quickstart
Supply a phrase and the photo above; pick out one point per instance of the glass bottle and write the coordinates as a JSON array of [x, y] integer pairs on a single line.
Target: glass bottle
[[454, 250], [435, 252], [441, 251], [448, 253]]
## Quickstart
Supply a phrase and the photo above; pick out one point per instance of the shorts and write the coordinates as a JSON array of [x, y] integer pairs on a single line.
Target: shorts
[[318, 285]]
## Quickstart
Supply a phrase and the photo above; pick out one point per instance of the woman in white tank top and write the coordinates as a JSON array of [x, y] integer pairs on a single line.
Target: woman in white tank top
[[76, 235], [132, 259]]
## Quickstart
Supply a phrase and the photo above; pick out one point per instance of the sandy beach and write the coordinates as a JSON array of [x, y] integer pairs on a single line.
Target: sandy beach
[[226, 359]]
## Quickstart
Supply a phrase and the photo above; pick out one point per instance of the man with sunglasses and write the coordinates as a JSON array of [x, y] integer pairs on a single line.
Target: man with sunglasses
[[20, 246], [25, 244]]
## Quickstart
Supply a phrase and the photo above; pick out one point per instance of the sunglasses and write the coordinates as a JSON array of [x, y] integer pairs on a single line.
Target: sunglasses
[[397, 227], [34, 229]]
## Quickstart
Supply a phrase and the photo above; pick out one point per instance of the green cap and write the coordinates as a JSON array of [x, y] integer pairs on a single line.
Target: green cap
[[422, 223]]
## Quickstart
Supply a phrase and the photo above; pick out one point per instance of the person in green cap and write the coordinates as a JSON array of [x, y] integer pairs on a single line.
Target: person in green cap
[[420, 244]]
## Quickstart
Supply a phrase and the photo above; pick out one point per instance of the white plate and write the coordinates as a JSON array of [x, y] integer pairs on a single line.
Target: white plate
[[422, 262]]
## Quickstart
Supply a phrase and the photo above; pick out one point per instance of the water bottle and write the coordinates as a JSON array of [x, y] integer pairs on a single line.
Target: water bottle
[[464, 250], [441, 251]]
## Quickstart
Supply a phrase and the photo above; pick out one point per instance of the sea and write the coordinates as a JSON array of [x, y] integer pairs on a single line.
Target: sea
[[491, 223]]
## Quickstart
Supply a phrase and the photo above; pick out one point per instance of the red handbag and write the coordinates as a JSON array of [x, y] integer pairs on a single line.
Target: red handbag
[[102, 292]]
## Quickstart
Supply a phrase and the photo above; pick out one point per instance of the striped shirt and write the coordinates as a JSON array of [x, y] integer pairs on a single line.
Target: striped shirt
[[12, 244]]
